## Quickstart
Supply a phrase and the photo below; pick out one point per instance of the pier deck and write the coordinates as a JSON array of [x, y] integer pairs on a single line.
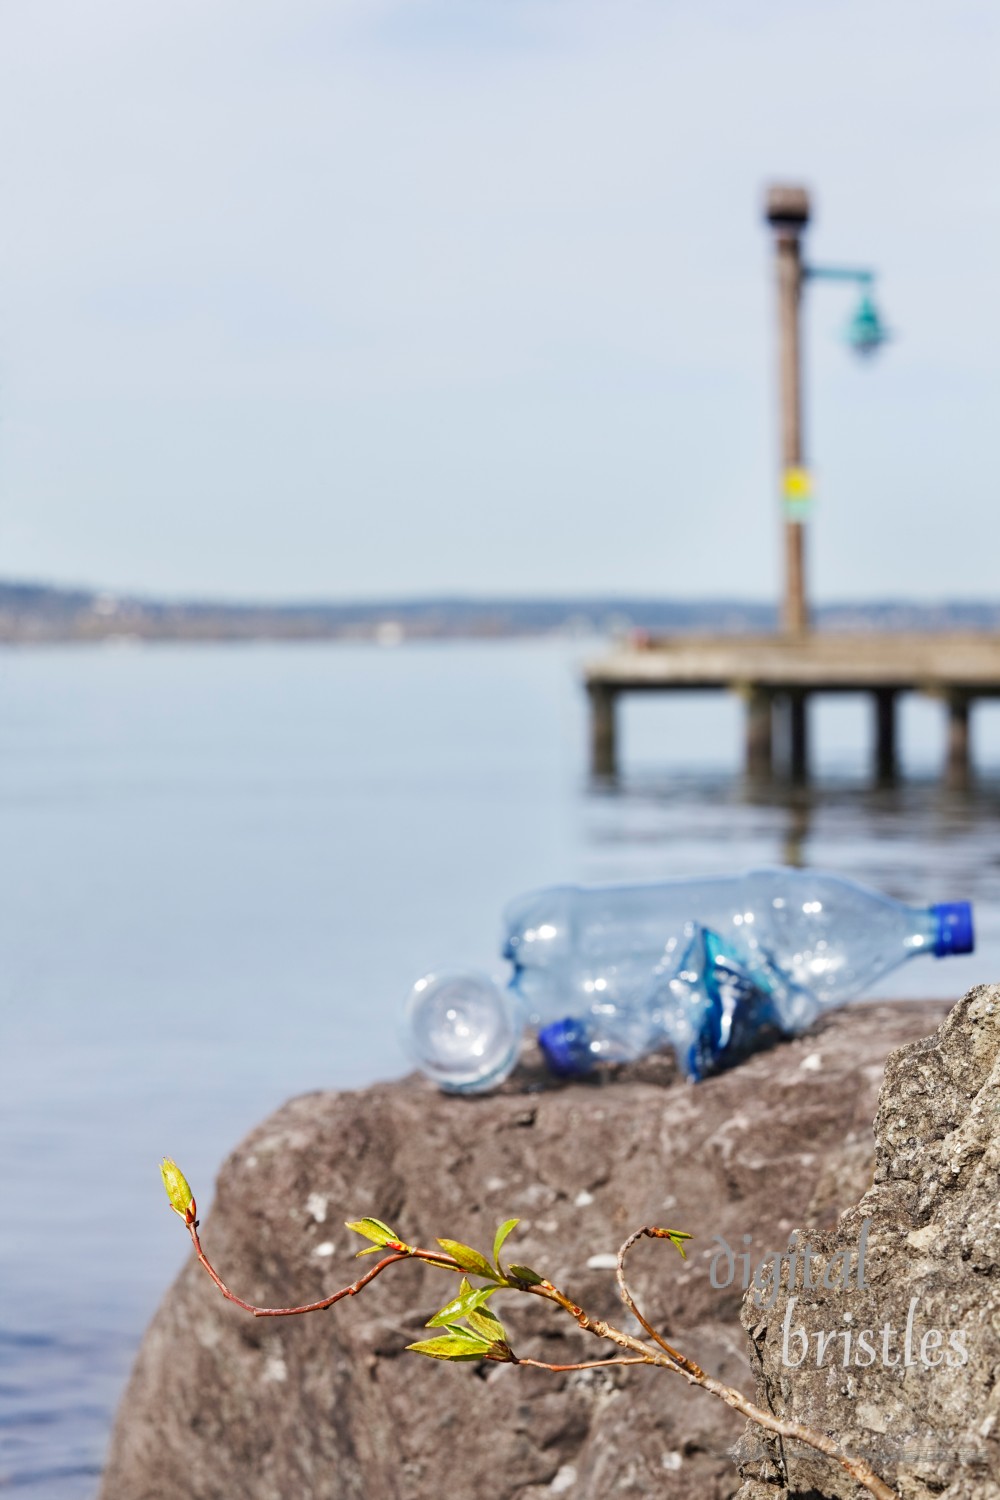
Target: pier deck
[[777, 675]]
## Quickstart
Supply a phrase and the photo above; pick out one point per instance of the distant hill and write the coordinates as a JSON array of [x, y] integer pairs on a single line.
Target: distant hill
[[33, 613]]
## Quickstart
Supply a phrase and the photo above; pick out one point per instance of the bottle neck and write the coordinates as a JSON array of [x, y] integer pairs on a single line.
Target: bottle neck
[[922, 932], [944, 930]]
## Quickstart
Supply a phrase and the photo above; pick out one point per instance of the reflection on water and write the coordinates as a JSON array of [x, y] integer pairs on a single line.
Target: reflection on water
[[793, 842], [811, 824], [225, 867], [918, 842]]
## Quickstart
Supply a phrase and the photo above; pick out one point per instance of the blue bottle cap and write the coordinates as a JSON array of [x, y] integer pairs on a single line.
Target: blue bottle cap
[[566, 1047], [954, 928]]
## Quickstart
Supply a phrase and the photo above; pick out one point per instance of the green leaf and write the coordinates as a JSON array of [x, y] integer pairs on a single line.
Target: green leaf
[[451, 1346], [677, 1238], [453, 1309], [468, 1298], [469, 1259], [374, 1230], [501, 1235], [487, 1325], [525, 1274]]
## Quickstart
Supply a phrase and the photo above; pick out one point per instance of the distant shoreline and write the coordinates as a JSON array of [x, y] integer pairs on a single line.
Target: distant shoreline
[[38, 614]]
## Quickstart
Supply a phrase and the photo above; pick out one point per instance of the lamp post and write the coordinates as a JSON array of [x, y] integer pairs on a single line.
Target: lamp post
[[788, 214], [787, 211]]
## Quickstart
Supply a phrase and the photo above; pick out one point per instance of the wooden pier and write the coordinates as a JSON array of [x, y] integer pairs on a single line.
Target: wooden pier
[[776, 676]]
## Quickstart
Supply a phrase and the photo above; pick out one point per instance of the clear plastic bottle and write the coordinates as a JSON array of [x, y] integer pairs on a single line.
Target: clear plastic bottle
[[463, 1030], [572, 947], [591, 953]]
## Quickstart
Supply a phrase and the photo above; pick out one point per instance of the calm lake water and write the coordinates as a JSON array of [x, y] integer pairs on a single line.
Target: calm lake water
[[224, 867]]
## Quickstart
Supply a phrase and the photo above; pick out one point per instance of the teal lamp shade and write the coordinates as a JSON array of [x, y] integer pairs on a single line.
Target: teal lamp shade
[[866, 332]]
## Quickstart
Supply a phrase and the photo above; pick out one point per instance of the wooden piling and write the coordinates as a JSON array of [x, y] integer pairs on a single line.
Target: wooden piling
[[798, 735], [958, 768], [603, 727], [884, 701], [759, 739]]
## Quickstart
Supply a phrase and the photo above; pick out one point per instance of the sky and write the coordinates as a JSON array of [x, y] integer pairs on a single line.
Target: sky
[[404, 297]]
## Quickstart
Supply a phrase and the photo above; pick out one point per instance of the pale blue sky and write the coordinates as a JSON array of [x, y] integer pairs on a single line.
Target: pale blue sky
[[392, 297]]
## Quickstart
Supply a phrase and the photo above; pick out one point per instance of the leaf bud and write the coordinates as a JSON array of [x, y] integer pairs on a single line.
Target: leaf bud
[[180, 1195]]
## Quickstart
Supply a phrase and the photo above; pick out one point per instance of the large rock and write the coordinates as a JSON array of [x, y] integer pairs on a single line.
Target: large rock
[[329, 1407], [925, 1411]]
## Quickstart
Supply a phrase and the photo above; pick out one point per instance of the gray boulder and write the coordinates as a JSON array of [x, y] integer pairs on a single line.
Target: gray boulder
[[222, 1406], [920, 1395]]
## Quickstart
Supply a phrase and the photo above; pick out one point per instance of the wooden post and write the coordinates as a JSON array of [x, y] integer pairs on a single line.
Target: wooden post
[[884, 700], [787, 212], [759, 760], [603, 747], [798, 735], [959, 766]]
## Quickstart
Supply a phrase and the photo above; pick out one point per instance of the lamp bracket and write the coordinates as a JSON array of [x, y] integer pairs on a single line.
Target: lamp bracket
[[839, 273]]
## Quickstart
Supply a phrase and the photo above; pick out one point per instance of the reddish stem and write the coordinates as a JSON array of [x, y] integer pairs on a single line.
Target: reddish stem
[[288, 1312], [432, 1257], [590, 1364]]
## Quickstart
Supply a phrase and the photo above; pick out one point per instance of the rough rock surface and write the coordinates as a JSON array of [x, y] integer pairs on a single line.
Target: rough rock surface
[[930, 1426], [222, 1406]]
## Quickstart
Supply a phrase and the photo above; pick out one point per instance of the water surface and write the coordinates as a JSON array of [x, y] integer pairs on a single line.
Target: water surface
[[223, 867]]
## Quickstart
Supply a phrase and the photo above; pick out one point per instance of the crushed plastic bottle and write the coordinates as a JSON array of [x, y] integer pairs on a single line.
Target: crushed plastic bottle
[[704, 965], [572, 947], [709, 1001]]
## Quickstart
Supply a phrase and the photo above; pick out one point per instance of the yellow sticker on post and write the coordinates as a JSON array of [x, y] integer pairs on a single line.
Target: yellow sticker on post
[[797, 492]]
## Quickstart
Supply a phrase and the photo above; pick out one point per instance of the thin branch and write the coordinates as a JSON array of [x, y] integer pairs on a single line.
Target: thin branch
[[288, 1312], [664, 1356], [680, 1360], [694, 1375], [409, 1252], [590, 1364]]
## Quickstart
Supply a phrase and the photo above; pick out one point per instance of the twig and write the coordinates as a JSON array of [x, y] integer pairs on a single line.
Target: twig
[[486, 1340], [288, 1312], [406, 1252], [694, 1375], [590, 1364]]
